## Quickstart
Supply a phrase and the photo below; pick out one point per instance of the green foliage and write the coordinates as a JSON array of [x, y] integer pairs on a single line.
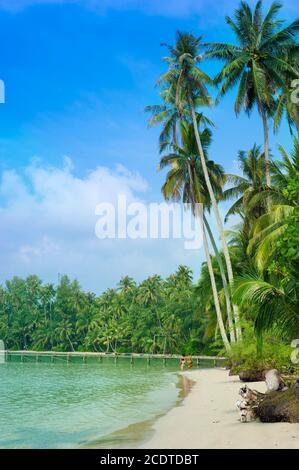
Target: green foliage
[[155, 316], [275, 355], [287, 253], [257, 62]]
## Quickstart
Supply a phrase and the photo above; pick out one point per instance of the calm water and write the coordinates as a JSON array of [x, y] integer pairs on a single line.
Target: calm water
[[62, 405]]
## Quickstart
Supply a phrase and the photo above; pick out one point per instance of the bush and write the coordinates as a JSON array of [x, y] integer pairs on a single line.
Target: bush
[[274, 355]]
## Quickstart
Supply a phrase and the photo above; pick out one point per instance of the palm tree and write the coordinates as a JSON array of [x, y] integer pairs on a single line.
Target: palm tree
[[270, 227], [257, 64], [126, 284], [149, 294], [189, 83], [275, 302], [185, 181], [253, 181], [169, 116], [183, 275]]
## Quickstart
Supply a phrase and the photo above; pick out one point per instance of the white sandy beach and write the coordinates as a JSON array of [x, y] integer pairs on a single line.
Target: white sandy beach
[[208, 419]]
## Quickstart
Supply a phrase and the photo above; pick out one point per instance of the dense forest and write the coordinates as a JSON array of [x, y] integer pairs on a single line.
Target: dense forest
[[247, 297], [155, 316]]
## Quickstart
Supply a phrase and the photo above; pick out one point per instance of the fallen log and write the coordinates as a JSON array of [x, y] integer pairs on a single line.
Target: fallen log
[[280, 406], [252, 375]]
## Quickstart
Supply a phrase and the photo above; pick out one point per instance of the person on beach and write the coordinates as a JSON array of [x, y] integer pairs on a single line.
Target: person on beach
[[183, 362], [189, 362]]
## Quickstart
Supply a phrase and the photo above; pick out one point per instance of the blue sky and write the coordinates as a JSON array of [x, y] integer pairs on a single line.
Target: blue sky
[[78, 75]]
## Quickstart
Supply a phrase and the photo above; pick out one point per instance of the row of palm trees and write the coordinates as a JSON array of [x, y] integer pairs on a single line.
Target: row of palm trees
[[262, 65], [155, 316]]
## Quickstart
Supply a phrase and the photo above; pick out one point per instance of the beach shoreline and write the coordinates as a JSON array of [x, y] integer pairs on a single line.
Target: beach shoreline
[[136, 434], [208, 419]]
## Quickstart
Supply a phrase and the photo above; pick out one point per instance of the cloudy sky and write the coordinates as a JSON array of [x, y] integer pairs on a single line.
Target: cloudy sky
[[73, 132]]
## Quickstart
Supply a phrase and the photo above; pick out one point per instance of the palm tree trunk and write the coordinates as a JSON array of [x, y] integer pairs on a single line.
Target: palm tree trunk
[[198, 215], [217, 216], [266, 144], [69, 340], [215, 294], [224, 281]]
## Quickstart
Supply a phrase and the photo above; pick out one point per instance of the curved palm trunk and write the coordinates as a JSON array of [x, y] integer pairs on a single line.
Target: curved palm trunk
[[266, 144], [70, 342], [217, 216], [215, 294], [224, 281], [198, 214]]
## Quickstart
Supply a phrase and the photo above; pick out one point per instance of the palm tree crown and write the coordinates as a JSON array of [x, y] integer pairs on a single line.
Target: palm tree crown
[[253, 181], [258, 62]]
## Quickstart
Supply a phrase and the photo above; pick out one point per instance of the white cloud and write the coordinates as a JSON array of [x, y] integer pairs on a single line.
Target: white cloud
[[48, 227]]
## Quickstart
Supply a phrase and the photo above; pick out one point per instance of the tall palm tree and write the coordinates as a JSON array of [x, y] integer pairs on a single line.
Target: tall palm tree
[[257, 63], [270, 227], [185, 181], [189, 83], [253, 181], [169, 115]]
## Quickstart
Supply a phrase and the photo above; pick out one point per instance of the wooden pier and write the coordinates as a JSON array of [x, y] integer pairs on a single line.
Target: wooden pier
[[84, 356]]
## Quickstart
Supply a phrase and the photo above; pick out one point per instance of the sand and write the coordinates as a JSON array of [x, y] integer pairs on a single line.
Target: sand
[[208, 418]]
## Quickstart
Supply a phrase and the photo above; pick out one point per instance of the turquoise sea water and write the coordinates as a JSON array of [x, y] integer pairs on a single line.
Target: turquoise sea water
[[45, 405]]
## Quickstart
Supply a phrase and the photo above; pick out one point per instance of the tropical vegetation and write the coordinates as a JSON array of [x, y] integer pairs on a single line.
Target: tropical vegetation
[[155, 316], [246, 298], [248, 287]]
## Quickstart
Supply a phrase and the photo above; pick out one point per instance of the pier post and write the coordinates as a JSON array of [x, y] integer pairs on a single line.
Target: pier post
[[132, 360]]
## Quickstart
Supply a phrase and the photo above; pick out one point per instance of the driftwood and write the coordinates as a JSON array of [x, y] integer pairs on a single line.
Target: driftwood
[[278, 403], [249, 403]]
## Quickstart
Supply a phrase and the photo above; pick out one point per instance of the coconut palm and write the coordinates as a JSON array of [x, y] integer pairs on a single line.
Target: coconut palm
[[126, 284], [169, 116], [189, 82], [270, 227], [257, 63], [275, 303], [252, 182], [185, 181], [185, 162]]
